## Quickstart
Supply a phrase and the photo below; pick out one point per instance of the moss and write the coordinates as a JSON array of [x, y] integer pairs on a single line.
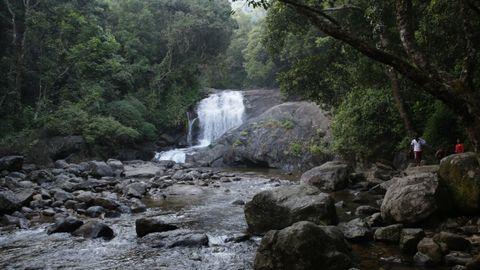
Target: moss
[[244, 133], [237, 143], [296, 148], [287, 124]]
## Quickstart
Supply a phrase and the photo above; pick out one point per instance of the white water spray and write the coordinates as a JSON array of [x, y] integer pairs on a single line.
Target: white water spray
[[217, 114]]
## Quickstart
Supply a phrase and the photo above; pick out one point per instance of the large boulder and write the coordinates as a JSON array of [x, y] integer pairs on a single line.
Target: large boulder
[[412, 199], [8, 202], [11, 163], [100, 169], [460, 174], [291, 136], [304, 245], [330, 176], [281, 207], [67, 225]]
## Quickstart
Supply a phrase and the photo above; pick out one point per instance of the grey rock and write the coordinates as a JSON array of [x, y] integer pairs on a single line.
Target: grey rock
[[330, 176], [95, 211], [409, 239], [429, 248], [304, 245], [100, 169], [11, 163], [144, 226], [283, 206], [175, 238], [366, 210], [356, 230], [67, 225], [458, 258], [117, 167], [94, 229], [389, 234], [453, 241], [413, 199], [61, 195], [8, 202], [136, 189]]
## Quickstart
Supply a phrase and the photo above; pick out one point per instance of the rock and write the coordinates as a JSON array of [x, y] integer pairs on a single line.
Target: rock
[[117, 167], [422, 259], [238, 202], [95, 211], [330, 176], [453, 241], [283, 206], [412, 199], [61, 195], [67, 225], [457, 258], [137, 206], [366, 210], [41, 176], [61, 164], [94, 229], [375, 220], [144, 226], [431, 249], [19, 222], [304, 245], [100, 169], [459, 267], [356, 230], [137, 189], [238, 238], [11, 163], [289, 136], [389, 234], [8, 202], [474, 264], [175, 238], [409, 239], [460, 174]]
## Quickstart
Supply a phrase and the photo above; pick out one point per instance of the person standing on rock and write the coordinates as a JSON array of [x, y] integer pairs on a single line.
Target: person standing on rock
[[459, 147], [417, 144]]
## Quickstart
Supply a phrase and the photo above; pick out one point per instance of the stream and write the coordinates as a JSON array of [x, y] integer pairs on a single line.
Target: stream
[[208, 209]]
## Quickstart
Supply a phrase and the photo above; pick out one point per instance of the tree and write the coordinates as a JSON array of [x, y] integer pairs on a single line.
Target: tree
[[456, 85]]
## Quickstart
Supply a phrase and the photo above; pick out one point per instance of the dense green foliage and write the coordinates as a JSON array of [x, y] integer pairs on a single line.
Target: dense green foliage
[[115, 72]]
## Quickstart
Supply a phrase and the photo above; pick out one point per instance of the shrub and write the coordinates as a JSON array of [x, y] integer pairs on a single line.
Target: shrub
[[366, 125], [108, 131], [148, 131], [296, 148], [68, 120], [442, 127], [126, 112]]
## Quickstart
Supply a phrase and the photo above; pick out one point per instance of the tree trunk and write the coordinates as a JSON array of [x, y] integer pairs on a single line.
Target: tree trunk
[[399, 101]]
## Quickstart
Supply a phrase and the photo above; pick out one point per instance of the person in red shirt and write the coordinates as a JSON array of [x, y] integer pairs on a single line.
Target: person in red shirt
[[459, 147]]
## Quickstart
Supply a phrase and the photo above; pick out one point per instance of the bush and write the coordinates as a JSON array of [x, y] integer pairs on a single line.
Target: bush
[[108, 131], [367, 125], [68, 120], [442, 128], [126, 112], [148, 131]]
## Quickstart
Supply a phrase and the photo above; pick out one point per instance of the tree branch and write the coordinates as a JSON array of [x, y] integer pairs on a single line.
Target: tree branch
[[469, 59]]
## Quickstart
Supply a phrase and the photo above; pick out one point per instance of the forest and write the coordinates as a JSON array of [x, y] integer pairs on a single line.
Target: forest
[[240, 134]]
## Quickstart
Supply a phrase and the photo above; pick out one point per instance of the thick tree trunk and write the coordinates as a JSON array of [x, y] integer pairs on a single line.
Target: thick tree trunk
[[399, 101], [472, 127]]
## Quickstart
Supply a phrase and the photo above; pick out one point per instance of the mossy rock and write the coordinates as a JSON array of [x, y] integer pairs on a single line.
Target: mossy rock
[[460, 174]]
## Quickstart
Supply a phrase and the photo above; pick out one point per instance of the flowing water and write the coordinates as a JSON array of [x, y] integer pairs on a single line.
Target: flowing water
[[217, 114]]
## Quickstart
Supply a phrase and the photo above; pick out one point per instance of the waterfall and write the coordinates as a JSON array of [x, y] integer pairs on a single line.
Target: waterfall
[[191, 122], [217, 114]]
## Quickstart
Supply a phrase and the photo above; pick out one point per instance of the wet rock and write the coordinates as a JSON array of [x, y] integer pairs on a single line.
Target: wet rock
[[432, 250], [375, 220], [330, 176], [422, 259], [67, 225], [390, 234], [413, 199], [61, 164], [366, 210], [474, 264], [453, 241], [144, 226], [71, 204], [117, 167], [11, 163], [8, 202], [105, 202], [95, 211], [19, 222], [48, 212], [459, 267], [94, 229], [409, 239], [100, 169], [460, 174], [175, 238], [238, 202], [61, 195], [457, 258], [137, 189], [356, 230], [137, 206], [304, 245], [238, 238], [283, 206]]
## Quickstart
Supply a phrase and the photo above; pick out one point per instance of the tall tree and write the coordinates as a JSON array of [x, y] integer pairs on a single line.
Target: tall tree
[[458, 90]]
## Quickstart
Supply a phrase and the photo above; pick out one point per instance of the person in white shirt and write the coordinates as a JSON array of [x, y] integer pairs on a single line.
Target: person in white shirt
[[417, 144]]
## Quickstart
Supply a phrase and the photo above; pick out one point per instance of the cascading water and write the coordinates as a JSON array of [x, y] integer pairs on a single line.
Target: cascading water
[[217, 114]]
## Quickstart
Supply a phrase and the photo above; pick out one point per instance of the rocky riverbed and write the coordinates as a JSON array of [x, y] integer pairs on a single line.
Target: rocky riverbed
[[162, 215]]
